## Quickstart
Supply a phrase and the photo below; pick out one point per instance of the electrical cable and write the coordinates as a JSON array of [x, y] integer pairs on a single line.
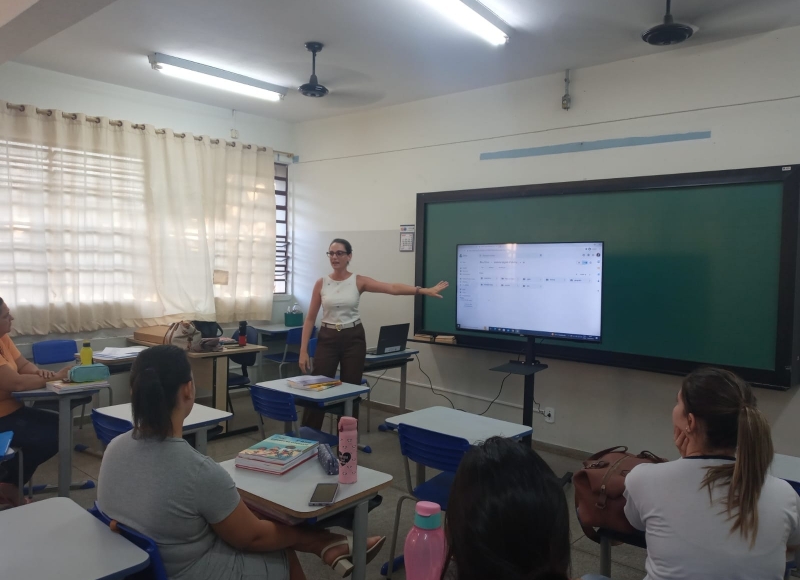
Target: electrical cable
[[519, 355], [430, 382]]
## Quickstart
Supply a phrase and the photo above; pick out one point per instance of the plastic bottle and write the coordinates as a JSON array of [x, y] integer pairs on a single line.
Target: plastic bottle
[[242, 332], [425, 549], [87, 356], [348, 450]]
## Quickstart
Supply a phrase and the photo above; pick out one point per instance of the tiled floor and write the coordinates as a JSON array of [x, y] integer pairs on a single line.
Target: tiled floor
[[628, 562]]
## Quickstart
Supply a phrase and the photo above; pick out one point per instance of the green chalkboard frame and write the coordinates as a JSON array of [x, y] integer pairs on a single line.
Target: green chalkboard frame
[[787, 338]]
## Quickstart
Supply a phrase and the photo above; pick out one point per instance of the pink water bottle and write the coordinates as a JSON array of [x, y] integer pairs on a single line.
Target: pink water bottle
[[348, 450], [425, 549]]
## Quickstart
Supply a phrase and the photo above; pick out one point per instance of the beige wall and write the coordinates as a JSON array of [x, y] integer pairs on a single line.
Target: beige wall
[[358, 177]]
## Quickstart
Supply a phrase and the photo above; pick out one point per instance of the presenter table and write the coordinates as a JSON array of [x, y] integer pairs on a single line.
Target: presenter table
[[210, 371], [56, 538], [64, 428], [394, 360], [288, 495], [199, 421]]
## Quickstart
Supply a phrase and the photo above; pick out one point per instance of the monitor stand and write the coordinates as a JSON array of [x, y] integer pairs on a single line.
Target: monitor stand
[[528, 369]]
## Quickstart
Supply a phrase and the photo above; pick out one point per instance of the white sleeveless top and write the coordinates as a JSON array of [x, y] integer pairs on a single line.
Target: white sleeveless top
[[340, 300]]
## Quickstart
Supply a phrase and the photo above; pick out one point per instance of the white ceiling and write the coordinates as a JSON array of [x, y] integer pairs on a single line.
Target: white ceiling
[[377, 52]]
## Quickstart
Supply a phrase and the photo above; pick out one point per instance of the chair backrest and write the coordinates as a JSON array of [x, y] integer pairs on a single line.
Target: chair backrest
[[312, 347], [54, 351], [247, 359], [273, 404], [155, 570], [106, 428], [442, 452], [295, 335]]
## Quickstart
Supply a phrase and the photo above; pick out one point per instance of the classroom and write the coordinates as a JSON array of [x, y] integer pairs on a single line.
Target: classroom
[[227, 164]]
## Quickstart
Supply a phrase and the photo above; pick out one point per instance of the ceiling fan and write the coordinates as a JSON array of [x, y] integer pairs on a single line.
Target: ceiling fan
[[669, 32], [312, 88]]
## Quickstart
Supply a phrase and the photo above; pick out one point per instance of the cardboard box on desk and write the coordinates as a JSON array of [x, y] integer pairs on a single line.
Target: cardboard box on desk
[[153, 334]]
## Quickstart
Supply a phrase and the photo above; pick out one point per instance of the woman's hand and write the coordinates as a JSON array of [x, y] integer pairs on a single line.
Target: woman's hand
[[45, 374], [434, 291], [681, 441], [304, 362]]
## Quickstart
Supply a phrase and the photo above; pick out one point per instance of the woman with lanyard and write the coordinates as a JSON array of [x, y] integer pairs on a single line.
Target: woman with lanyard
[[341, 341]]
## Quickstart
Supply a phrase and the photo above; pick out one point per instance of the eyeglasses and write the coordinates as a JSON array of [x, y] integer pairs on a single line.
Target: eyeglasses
[[338, 254]]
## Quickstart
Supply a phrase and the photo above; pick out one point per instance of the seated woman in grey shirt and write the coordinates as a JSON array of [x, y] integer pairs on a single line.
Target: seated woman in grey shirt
[[154, 482]]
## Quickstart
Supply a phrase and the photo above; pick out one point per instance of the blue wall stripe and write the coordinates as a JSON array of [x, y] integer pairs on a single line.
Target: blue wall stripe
[[594, 145]]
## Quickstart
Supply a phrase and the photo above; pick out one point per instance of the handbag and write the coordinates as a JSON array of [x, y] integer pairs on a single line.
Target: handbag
[[183, 334], [599, 488]]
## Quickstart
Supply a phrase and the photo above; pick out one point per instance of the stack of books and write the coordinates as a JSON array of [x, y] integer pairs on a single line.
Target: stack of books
[[424, 337], [445, 339], [111, 354], [312, 383], [277, 454], [64, 386]]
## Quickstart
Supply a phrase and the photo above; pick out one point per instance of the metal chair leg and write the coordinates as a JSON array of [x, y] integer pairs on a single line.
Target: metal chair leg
[[395, 531], [83, 413], [21, 482], [605, 556], [261, 426]]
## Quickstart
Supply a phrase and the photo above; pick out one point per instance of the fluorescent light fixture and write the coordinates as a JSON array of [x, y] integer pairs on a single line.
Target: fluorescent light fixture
[[475, 17], [214, 77]]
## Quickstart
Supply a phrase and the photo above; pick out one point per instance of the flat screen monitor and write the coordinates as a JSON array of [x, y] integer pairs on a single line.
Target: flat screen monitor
[[550, 290]]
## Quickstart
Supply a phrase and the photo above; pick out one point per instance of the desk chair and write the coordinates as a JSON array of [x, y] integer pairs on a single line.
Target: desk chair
[[58, 351], [238, 381], [293, 338], [280, 407], [107, 428], [426, 449], [14, 453], [156, 570]]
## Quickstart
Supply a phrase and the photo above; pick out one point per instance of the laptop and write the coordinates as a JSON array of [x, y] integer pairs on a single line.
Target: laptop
[[391, 339]]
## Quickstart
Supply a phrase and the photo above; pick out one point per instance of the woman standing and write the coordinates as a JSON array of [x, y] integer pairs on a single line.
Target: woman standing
[[341, 340]]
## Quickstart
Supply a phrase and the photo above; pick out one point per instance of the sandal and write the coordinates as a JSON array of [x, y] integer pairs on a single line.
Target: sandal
[[343, 565]]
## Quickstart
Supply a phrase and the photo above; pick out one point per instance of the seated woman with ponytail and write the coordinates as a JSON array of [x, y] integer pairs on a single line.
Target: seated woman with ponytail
[[507, 517], [716, 512], [154, 482]]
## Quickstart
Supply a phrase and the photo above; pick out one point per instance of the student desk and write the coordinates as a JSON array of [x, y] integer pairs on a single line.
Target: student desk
[[288, 494], [56, 538], [788, 468], [199, 421], [271, 332], [64, 428], [210, 371], [474, 428]]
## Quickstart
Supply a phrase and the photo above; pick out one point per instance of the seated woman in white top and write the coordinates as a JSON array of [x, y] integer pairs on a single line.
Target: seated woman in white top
[[715, 513], [152, 481]]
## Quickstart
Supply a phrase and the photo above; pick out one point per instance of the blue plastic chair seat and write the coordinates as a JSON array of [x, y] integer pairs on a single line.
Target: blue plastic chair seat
[[280, 406], [436, 489], [236, 380], [107, 428]]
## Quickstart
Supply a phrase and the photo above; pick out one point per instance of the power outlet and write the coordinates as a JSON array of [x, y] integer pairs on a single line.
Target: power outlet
[[549, 415]]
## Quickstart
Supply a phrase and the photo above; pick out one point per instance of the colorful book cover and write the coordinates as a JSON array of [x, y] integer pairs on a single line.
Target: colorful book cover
[[278, 449]]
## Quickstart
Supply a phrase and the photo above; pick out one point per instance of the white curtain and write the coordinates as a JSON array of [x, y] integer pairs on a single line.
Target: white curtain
[[107, 224]]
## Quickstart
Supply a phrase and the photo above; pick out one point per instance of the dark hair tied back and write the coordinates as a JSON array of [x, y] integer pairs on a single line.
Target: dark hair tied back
[[156, 377], [347, 247]]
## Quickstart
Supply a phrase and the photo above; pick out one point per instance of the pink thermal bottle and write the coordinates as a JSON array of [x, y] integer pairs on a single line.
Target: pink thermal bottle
[[348, 450]]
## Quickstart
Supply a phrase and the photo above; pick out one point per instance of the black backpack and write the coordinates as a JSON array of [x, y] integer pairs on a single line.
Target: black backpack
[[208, 329]]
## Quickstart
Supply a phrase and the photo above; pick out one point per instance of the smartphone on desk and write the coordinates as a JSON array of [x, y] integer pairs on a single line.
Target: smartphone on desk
[[324, 494]]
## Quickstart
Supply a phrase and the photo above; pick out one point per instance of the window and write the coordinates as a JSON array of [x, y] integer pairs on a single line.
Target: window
[[281, 228]]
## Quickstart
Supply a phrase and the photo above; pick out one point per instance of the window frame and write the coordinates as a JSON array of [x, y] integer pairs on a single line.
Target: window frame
[[282, 242]]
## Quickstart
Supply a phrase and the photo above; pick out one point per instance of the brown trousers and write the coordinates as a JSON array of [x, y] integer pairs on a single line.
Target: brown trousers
[[346, 348]]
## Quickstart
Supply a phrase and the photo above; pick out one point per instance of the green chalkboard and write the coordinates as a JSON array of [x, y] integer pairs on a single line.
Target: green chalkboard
[[690, 273]]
